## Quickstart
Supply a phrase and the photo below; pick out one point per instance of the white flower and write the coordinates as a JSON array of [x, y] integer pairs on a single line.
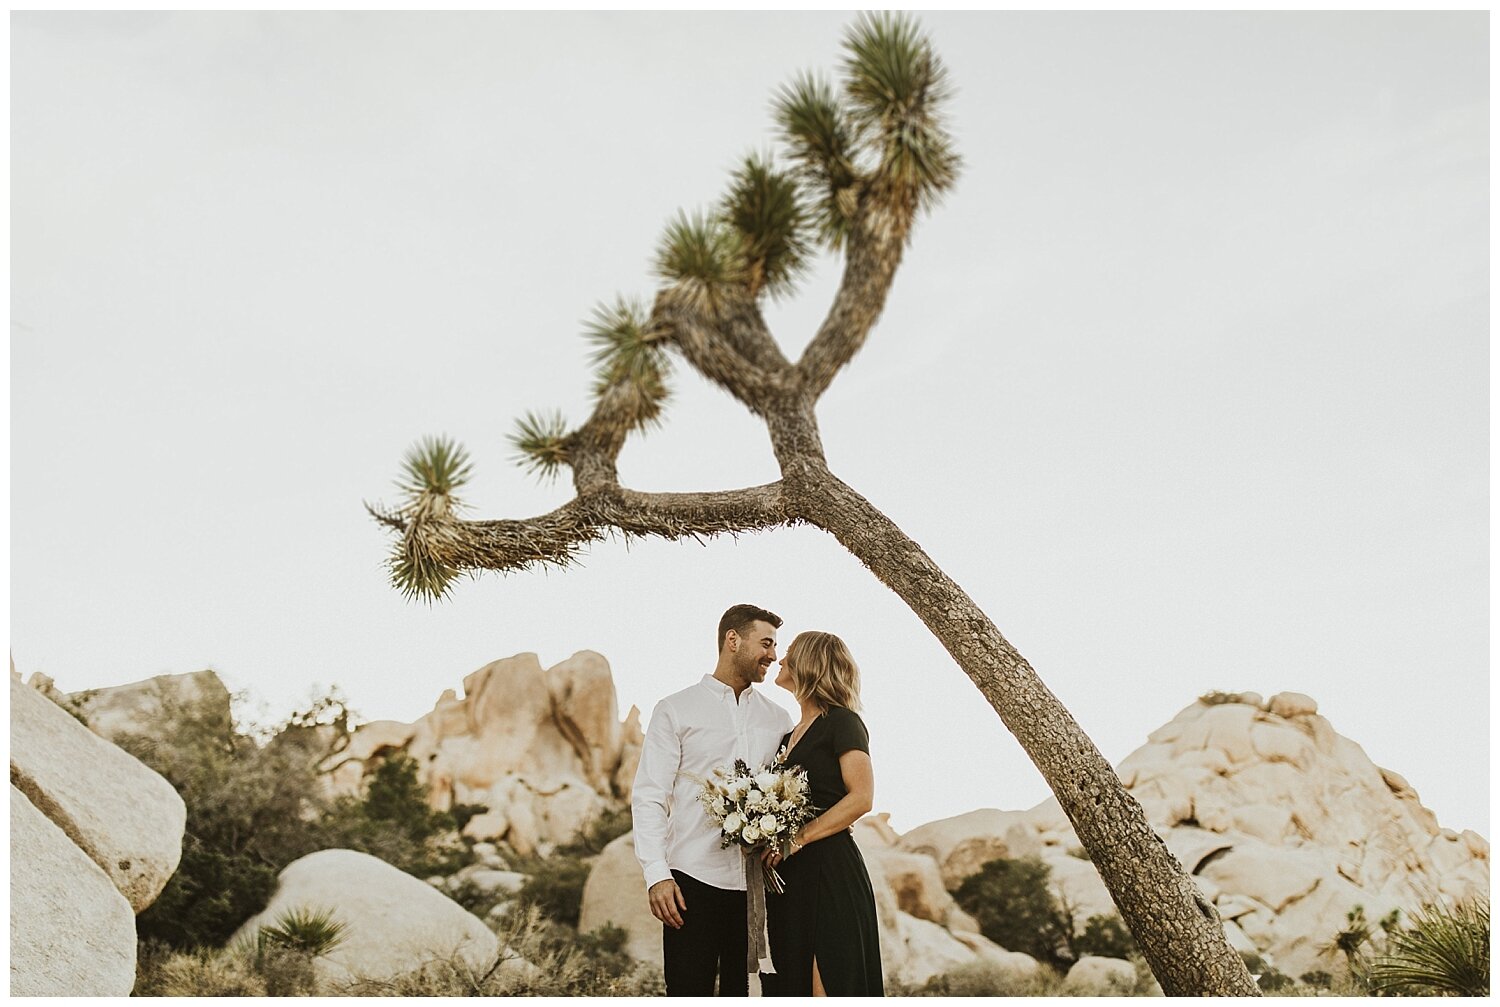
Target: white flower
[[738, 787], [769, 825], [766, 780], [733, 823], [754, 797], [720, 806], [751, 834]]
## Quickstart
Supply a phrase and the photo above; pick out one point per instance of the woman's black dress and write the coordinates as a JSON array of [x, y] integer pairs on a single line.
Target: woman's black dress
[[828, 910]]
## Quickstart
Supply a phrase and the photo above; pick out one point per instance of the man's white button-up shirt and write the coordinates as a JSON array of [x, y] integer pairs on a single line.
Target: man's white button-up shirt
[[691, 732]]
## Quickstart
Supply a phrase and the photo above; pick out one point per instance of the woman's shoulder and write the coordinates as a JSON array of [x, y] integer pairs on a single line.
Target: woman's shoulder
[[843, 716]]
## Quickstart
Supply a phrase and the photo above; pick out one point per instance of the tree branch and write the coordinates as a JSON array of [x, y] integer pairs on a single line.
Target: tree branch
[[877, 236], [735, 351], [556, 538]]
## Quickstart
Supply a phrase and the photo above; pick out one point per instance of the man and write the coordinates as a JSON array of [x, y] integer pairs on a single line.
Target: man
[[696, 888]]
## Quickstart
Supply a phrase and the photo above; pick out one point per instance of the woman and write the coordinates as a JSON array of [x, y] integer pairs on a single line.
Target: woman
[[825, 940]]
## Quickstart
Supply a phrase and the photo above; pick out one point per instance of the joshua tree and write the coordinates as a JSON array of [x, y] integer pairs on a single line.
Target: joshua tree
[[864, 163]]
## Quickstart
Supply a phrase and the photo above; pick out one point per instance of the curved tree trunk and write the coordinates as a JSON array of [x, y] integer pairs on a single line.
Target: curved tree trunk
[[1177, 929]]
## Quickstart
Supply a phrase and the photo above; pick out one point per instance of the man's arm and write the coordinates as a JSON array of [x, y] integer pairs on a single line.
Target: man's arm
[[650, 802]]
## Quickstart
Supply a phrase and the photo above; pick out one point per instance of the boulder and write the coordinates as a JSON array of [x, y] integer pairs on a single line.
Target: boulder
[[118, 710], [396, 923], [964, 843], [921, 949], [542, 750], [1103, 977], [1292, 704], [488, 880], [1283, 824], [916, 884], [71, 931], [615, 893], [122, 815]]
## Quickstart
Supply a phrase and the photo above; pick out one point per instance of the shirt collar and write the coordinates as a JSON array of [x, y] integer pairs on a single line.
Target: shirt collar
[[720, 690]]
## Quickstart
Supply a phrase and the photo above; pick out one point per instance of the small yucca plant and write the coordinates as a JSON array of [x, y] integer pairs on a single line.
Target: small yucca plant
[[1444, 952], [311, 931]]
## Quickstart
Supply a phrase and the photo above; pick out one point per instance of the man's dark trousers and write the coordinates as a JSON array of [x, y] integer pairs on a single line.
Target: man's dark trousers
[[712, 942]]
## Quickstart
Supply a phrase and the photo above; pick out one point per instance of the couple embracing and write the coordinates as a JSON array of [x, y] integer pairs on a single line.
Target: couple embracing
[[822, 929]]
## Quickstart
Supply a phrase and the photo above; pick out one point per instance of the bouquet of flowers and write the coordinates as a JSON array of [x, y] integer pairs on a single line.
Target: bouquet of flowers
[[758, 808]]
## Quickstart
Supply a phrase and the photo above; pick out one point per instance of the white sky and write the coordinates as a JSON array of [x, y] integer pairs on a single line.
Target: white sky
[[1185, 383]]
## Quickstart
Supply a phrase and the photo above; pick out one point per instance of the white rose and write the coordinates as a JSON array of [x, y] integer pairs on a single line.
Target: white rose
[[733, 823], [751, 833], [769, 825], [720, 806], [754, 797], [766, 780]]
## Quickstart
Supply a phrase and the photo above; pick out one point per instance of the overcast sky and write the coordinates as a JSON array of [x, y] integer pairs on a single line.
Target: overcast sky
[[1186, 382]]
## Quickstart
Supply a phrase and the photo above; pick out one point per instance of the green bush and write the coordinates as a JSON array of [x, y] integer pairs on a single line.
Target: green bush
[[554, 885], [255, 804], [247, 815], [982, 979], [1444, 952], [393, 821], [1266, 975], [1107, 937], [1014, 907], [311, 931], [598, 833], [240, 971], [208, 897]]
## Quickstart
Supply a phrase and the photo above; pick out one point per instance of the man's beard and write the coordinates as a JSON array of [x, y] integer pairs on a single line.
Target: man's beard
[[752, 670]]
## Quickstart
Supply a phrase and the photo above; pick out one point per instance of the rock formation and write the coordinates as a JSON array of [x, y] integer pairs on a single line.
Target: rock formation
[[136, 708], [395, 922], [95, 836], [71, 931], [1284, 824], [922, 932], [543, 751]]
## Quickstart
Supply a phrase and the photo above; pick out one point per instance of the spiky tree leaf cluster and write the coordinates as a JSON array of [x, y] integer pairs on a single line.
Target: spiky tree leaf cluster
[[1443, 951]]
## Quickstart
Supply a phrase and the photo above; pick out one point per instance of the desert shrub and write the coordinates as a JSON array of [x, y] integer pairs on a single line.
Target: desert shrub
[[539, 958], [310, 931], [393, 821], [162, 971], [1266, 975], [1107, 937], [255, 803], [1318, 979], [598, 833], [209, 896], [1014, 907], [980, 978], [287, 972], [462, 813], [554, 885], [1445, 951], [248, 807]]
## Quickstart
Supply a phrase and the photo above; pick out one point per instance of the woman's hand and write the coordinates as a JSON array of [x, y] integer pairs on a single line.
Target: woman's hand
[[771, 856]]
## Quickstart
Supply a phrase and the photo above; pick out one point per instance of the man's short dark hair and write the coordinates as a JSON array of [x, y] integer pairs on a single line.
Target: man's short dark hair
[[740, 617]]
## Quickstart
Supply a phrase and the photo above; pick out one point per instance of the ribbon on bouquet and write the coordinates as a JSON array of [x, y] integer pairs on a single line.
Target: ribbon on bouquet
[[758, 947]]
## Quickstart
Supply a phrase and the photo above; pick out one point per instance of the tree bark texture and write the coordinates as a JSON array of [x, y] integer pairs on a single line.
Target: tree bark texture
[[1181, 935]]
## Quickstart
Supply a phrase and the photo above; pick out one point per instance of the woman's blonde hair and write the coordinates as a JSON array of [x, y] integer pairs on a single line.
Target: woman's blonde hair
[[823, 670]]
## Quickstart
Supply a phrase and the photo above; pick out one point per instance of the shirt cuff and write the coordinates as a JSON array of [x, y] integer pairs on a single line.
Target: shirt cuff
[[657, 871]]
